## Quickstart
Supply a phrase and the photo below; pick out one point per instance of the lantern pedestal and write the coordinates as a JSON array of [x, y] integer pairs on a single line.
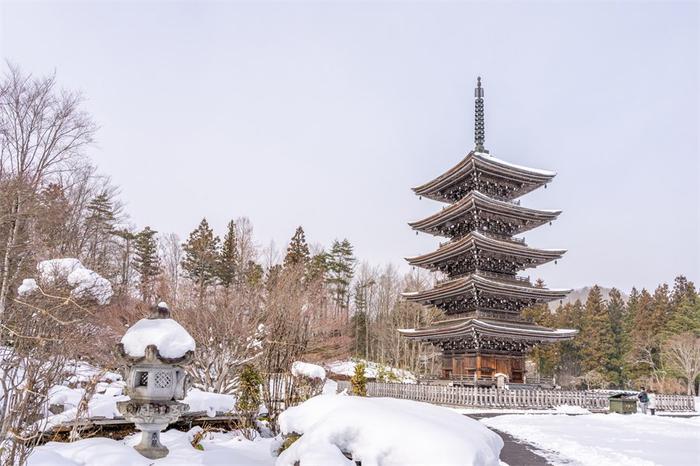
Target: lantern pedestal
[[151, 418]]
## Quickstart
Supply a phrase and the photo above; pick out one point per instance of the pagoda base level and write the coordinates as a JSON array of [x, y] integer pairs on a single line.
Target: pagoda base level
[[483, 367]]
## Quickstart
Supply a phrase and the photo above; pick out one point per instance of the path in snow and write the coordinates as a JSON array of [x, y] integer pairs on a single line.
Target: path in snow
[[515, 452]]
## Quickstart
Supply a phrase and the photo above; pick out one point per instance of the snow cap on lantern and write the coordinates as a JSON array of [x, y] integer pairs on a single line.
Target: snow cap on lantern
[[155, 348]]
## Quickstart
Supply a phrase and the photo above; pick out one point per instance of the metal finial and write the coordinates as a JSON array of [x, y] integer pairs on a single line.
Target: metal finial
[[479, 133]]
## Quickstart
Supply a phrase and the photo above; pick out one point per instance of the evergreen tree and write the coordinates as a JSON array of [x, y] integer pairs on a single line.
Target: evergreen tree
[[254, 273], [146, 262], [227, 271], [617, 313], [318, 267], [201, 258], [298, 251], [597, 336], [341, 266], [358, 381], [99, 225]]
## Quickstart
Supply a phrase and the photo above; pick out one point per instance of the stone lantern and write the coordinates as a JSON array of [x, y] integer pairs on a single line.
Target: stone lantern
[[154, 351]]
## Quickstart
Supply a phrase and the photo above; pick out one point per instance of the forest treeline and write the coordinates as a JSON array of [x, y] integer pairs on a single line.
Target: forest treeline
[[650, 339]]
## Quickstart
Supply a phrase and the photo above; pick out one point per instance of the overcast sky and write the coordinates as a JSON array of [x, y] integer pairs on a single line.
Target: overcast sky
[[325, 115]]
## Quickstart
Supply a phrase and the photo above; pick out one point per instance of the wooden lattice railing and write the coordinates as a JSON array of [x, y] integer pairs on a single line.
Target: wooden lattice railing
[[482, 397]]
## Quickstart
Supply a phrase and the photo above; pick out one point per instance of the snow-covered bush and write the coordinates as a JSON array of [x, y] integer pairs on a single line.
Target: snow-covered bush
[[70, 274], [383, 432], [308, 380]]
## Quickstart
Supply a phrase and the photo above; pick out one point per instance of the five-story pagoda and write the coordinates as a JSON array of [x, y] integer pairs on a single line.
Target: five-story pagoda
[[482, 296]]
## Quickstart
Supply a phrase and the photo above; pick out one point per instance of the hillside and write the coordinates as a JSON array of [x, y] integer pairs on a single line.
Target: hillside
[[582, 294]]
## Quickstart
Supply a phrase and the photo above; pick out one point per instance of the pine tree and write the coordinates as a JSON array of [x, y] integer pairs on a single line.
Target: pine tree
[[228, 259], [617, 313], [298, 251], [358, 381], [99, 225], [318, 267], [146, 262], [201, 258], [597, 336], [341, 265]]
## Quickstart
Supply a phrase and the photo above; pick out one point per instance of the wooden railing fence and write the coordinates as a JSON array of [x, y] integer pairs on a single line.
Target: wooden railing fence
[[482, 397]]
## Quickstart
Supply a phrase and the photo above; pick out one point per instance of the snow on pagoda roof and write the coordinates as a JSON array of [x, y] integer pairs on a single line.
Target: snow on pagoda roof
[[461, 208], [475, 281], [466, 244], [464, 326], [171, 339], [529, 178]]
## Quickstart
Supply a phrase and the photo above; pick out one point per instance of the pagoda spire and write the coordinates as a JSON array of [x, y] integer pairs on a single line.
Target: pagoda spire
[[479, 133]]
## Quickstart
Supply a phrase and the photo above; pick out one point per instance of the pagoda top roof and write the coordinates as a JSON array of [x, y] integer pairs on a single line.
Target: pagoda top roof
[[475, 281], [460, 208], [529, 178], [484, 242], [465, 326]]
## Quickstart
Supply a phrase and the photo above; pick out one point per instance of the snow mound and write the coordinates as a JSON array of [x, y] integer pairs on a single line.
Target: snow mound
[[211, 403], [27, 287], [171, 339], [84, 283], [383, 432], [305, 369], [608, 439], [373, 370]]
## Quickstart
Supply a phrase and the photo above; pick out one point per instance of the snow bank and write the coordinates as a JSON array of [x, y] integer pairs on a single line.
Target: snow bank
[[171, 339], [384, 431], [373, 370], [84, 282], [311, 371], [212, 403], [219, 449], [608, 439]]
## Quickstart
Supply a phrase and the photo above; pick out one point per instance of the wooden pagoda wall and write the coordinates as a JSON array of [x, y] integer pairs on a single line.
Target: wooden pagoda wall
[[483, 365]]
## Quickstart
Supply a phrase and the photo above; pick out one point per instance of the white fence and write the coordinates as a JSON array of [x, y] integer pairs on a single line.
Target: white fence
[[482, 397]]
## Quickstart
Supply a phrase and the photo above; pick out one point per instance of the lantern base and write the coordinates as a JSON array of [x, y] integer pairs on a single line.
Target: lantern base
[[151, 418], [150, 445]]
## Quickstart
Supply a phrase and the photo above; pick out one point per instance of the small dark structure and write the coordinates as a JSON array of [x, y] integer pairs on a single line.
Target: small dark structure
[[622, 403]]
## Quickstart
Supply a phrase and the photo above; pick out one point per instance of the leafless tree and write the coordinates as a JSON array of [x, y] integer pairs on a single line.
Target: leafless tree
[[682, 354], [43, 133]]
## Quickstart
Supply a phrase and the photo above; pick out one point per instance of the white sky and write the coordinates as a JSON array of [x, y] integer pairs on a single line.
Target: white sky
[[325, 115]]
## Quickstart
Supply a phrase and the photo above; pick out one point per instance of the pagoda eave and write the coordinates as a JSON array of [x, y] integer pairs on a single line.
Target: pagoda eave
[[525, 218], [487, 246], [475, 283], [469, 327], [481, 163]]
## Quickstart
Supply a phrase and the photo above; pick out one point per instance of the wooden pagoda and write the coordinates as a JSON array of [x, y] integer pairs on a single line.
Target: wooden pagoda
[[484, 333]]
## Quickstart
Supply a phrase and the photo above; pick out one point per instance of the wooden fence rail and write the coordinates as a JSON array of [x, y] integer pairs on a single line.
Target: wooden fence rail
[[482, 397]]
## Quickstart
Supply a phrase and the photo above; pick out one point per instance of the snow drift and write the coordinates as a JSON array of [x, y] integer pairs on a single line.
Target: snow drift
[[383, 432]]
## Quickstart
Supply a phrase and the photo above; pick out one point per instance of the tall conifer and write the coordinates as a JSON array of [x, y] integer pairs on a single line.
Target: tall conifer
[[201, 258], [146, 262]]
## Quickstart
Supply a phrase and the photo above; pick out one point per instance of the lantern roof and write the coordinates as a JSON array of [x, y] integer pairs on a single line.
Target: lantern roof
[[165, 334]]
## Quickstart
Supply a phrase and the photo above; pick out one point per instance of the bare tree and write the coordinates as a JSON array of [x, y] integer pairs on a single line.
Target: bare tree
[[682, 354], [43, 133]]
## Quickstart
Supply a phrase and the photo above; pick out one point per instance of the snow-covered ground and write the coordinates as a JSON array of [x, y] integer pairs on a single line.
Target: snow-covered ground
[[218, 449], [607, 439], [373, 370]]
